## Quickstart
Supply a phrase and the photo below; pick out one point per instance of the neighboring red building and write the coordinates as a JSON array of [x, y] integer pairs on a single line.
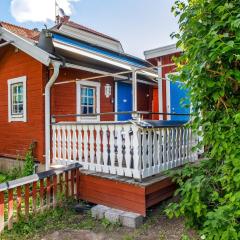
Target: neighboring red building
[[63, 64], [163, 58]]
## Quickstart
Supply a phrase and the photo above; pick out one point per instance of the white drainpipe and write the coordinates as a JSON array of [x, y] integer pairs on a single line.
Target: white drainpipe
[[56, 67]]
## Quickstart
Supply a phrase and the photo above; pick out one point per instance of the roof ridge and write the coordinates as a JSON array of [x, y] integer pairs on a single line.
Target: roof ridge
[[23, 28], [89, 29]]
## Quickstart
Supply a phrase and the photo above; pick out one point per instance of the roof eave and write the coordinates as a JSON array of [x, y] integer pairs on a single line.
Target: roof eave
[[26, 46], [162, 51]]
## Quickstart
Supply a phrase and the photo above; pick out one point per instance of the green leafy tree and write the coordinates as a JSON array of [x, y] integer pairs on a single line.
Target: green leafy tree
[[210, 66]]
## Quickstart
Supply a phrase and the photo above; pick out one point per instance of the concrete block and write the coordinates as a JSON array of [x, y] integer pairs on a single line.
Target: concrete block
[[98, 212], [113, 215], [131, 220]]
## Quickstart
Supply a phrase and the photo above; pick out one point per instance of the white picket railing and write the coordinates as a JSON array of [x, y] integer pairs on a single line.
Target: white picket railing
[[124, 149]]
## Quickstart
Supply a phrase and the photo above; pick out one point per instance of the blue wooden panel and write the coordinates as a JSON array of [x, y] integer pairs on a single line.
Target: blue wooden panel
[[115, 55], [178, 93], [124, 94]]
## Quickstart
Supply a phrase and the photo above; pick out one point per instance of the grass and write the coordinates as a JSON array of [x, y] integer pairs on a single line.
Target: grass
[[65, 218], [61, 218], [3, 177]]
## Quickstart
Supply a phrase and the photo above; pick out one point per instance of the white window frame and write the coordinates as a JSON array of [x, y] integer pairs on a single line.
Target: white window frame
[[96, 85], [20, 117]]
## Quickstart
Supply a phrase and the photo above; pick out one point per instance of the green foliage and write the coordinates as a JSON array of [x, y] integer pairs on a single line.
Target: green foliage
[[28, 167], [210, 66], [18, 172]]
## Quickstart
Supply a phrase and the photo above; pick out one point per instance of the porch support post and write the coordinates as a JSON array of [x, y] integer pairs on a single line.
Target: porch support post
[[134, 93], [160, 90], [56, 67]]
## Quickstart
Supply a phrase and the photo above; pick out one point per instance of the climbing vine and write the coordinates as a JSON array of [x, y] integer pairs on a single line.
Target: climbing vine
[[210, 66]]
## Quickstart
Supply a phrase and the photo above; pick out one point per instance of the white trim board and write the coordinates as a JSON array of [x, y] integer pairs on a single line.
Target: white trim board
[[82, 35], [162, 51], [97, 85]]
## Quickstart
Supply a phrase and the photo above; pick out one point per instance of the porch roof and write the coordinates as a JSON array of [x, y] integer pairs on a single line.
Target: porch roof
[[84, 54]]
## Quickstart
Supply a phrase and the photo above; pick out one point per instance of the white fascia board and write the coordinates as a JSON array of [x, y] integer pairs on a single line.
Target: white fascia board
[[26, 46], [69, 65], [88, 69], [89, 54], [90, 37], [162, 51]]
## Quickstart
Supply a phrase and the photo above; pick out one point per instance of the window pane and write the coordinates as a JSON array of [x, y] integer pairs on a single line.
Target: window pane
[[84, 110], [20, 88], [20, 98], [90, 91], [15, 99], [15, 109], [90, 101], [14, 89], [90, 109], [83, 91], [84, 101], [20, 108]]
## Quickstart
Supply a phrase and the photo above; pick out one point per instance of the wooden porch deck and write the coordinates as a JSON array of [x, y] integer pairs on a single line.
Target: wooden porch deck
[[125, 193]]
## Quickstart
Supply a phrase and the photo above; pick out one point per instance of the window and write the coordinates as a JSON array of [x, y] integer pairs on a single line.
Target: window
[[88, 99], [17, 99]]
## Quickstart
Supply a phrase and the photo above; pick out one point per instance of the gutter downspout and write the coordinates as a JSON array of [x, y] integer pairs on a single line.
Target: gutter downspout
[[56, 67]]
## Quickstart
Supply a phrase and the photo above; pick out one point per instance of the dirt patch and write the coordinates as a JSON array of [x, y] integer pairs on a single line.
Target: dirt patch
[[64, 223], [156, 227]]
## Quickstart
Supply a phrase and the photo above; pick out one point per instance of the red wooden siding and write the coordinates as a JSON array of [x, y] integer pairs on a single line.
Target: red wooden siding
[[17, 136], [64, 95], [133, 197]]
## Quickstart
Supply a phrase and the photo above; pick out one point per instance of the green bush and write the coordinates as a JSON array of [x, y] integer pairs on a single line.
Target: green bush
[[28, 167], [210, 66]]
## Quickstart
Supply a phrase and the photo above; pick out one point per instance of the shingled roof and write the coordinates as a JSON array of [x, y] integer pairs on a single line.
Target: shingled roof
[[21, 31], [33, 34]]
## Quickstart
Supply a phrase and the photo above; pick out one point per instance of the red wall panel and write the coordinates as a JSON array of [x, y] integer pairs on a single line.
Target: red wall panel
[[16, 137]]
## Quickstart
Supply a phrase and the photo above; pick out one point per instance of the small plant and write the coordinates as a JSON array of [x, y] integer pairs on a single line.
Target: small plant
[[127, 237], [109, 225], [28, 167]]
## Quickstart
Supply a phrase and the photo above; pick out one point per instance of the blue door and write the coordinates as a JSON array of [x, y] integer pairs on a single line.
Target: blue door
[[124, 100], [178, 100]]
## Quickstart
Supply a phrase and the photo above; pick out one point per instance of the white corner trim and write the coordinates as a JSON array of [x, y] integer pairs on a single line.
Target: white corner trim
[[116, 99], [23, 117], [97, 85], [160, 90]]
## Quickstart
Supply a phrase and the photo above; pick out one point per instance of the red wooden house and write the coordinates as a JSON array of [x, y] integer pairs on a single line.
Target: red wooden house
[[76, 94]]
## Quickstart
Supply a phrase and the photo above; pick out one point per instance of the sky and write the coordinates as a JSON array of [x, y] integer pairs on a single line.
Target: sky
[[139, 24]]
